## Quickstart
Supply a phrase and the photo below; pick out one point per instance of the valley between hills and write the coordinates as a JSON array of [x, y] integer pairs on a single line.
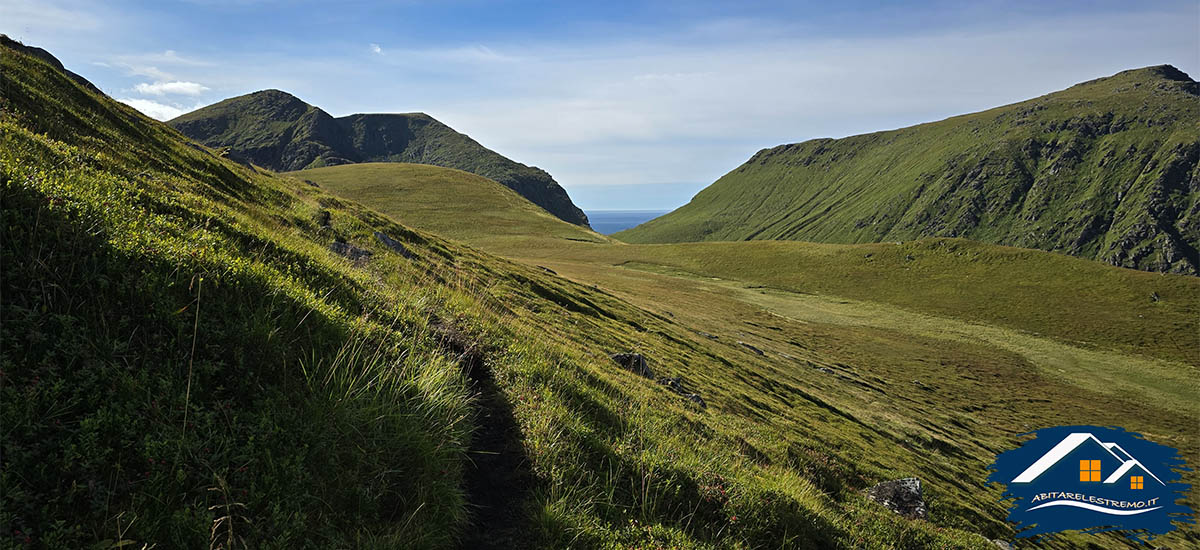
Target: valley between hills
[[261, 326]]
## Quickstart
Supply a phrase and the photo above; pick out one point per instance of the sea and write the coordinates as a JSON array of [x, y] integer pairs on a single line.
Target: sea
[[607, 222]]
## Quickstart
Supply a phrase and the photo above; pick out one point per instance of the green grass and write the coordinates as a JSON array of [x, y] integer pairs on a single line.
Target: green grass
[[186, 362], [1099, 170], [1076, 301], [1004, 339], [481, 210]]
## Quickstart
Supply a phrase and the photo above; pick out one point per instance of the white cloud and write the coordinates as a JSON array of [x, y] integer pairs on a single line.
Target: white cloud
[[144, 70], [376, 49], [153, 109], [147, 65], [671, 110], [175, 88]]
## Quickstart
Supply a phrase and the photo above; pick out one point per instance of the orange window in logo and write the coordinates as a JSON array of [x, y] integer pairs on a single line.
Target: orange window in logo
[[1135, 482], [1089, 470]]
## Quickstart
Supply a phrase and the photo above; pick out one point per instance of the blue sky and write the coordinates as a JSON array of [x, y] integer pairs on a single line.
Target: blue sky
[[630, 105]]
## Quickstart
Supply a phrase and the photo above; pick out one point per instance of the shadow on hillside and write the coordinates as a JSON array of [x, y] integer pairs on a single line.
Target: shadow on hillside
[[500, 483]]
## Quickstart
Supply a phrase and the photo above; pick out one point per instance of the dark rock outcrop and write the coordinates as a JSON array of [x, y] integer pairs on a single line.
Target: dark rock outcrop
[[45, 56], [394, 245], [350, 252], [751, 348], [676, 385], [902, 496], [633, 362]]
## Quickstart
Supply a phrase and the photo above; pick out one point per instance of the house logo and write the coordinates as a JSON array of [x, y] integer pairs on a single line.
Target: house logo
[[1093, 479]]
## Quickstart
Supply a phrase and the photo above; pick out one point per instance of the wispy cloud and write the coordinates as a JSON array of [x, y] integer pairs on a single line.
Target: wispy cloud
[[171, 88], [153, 109], [148, 65], [376, 49]]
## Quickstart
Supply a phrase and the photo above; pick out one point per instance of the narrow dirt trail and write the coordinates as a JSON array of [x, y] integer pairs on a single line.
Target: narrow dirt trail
[[499, 480]]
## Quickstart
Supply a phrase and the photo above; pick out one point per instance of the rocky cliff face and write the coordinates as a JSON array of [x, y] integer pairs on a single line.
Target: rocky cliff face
[[276, 130]]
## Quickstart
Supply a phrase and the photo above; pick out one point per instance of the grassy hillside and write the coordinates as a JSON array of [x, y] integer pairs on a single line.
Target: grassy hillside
[[1106, 170], [196, 352], [448, 202], [276, 130]]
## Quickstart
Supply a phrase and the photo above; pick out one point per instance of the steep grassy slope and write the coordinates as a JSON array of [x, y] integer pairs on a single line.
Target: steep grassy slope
[[1106, 170], [194, 352], [276, 130], [448, 202]]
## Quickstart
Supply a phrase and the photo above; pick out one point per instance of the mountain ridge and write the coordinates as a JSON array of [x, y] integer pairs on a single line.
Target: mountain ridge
[[1105, 169], [279, 131]]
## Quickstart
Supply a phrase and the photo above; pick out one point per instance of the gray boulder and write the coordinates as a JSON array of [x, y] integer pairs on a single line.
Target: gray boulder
[[394, 245], [351, 252], [633, 362], [902, 496]]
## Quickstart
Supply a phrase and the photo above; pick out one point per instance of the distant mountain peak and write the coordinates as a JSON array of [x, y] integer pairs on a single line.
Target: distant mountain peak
[[271, 94], [1107, 169], [1167, 72], [1161, 74], [277, 130]]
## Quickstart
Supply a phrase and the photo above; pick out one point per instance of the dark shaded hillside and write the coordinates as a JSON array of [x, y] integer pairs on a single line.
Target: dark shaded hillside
[[276, 130], [1106, 169], [44, 55]]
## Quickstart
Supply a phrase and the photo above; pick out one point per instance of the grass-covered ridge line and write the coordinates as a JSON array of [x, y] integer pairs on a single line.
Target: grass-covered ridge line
[[186, 362], [445, 201], [1106, 170], [277, 130]]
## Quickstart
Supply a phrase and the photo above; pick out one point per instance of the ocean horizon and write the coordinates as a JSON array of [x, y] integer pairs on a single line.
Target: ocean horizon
[[607, 222]]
